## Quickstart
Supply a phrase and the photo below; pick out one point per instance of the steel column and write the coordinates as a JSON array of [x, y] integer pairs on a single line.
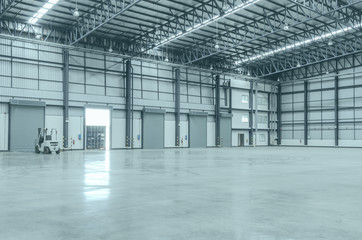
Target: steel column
[[269, 114], [65, 97], [306, 113], [128, 102], [279, 114], [251, 113], [177, 105], [217, 110], [336, 109]]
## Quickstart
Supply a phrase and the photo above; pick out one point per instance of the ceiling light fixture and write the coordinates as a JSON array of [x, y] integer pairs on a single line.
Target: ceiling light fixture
[[166, 59], [206, 22], [42, 11], [76, 11], [110, 49], [299, 44], [286, 27], [217, 46], [298, 65], [330, 43]]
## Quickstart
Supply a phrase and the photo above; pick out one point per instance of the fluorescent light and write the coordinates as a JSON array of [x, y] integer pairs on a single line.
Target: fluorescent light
[[42, 11], [298, 44], [207, 22], [48, 5]]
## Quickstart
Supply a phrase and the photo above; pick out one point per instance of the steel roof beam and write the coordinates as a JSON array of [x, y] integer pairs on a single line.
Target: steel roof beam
[[309, 33], [275, 23], [99, 16], [319, 54], [5, 5]]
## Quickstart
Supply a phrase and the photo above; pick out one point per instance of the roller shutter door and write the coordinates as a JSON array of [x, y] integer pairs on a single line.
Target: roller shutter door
[[25, 119]]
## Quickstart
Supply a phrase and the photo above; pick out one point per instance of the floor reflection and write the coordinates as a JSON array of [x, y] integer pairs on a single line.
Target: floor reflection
[[96, 179]]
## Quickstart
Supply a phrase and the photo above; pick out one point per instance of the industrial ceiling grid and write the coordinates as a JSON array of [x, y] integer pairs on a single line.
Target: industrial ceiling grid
[[275, 40]]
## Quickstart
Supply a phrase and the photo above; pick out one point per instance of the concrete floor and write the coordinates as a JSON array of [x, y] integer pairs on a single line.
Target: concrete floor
[[239, 193]]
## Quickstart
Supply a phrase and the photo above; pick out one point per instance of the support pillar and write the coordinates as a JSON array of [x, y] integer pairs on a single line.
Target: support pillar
[[65, 98], [251, 114], [336, 109], [269, 115], [177, 106], [306, 113], [128, 102], [279, 114], [217, 110]]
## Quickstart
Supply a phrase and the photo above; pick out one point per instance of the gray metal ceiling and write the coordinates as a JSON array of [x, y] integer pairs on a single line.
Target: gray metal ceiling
[[251, 31]]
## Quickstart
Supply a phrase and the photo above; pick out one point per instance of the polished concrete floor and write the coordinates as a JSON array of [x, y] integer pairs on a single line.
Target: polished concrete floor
[[199, 194]]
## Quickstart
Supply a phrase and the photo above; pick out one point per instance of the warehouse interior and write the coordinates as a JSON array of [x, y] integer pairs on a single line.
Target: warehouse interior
[[180, 119]]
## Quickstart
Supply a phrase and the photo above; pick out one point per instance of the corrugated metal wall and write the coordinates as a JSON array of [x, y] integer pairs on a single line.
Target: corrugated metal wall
[[322, 110], [34, 72]]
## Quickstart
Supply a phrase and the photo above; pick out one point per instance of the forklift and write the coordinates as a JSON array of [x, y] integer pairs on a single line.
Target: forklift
[[47, 143]]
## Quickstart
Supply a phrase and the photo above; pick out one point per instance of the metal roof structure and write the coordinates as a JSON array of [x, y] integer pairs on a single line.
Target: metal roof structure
[[274, 39]]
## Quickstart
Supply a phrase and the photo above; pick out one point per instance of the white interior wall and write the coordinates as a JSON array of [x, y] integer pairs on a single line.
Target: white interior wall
[[137, 129], [262, 138], [54, 119], [4, 126], [98, 79], [321, 110], [170, 130], [184, 130], [211, 131], [118, 129], [76, 128], [235, 138]]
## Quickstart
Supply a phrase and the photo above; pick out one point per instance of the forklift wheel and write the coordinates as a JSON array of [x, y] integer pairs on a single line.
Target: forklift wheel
[[47, 150], [37, 149], [57, 152]]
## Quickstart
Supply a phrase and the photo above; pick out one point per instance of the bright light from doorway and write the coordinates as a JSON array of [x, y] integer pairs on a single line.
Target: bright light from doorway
[[99, 117]]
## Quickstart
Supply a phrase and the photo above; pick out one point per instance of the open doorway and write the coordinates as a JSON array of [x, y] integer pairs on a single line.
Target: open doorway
[[241, 140], [97, 128]]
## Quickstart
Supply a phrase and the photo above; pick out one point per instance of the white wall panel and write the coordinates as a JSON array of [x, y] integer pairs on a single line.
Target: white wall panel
[[262, 138], [4, 126], [50, 86], [5, 81], [235, 137], [5, 67], [184, 132], [137, 131], [170, 133], [211, 132], [51, 73], [237, 119], [25, 83], [25, 70], [237, 96], [76, 125], [118, 129], [54, 119], [76, 76], [95, 78], [95, 90], [114, 63]]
